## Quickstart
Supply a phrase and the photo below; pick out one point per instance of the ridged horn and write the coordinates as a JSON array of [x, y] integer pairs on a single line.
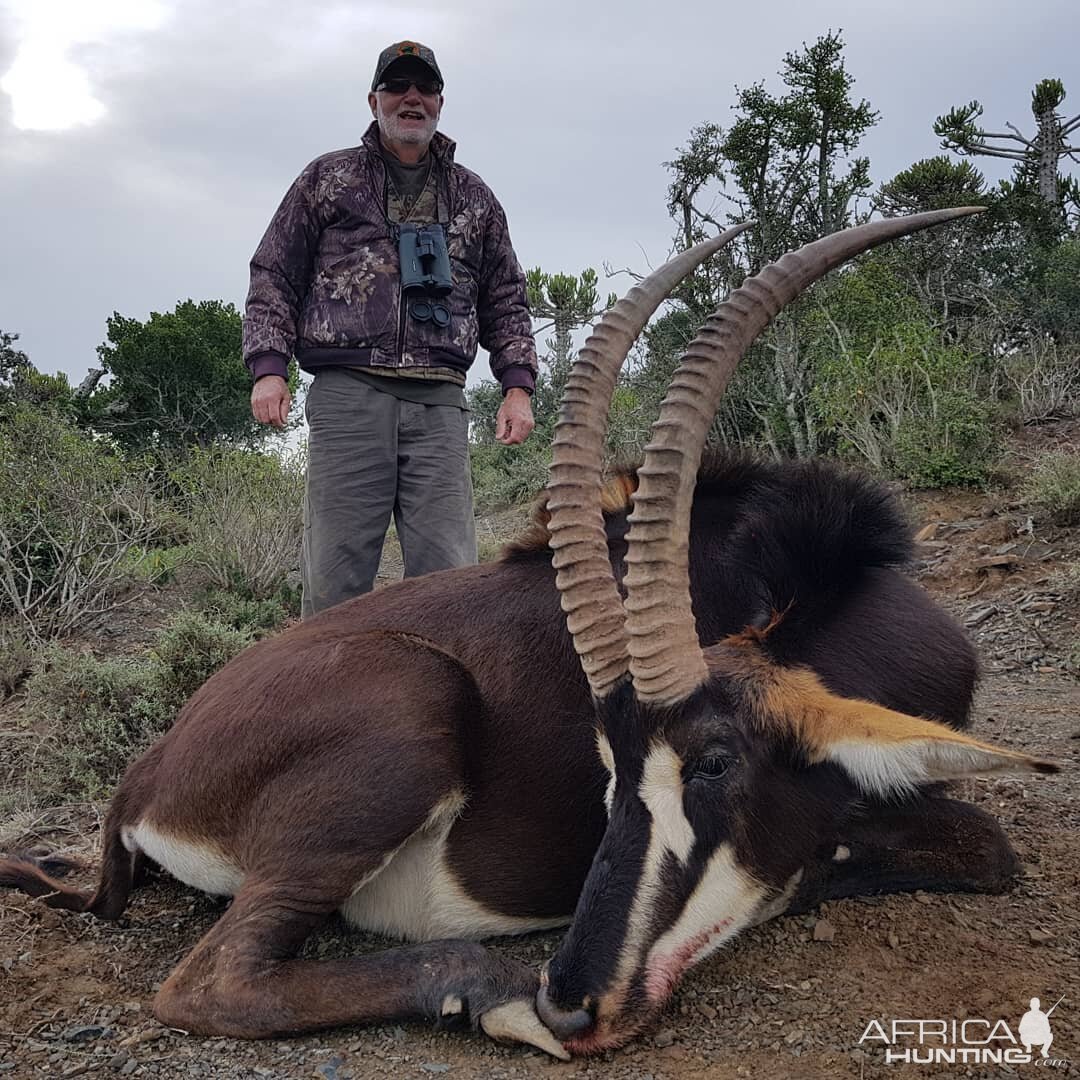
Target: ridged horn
[[666, 661], [589, 594]]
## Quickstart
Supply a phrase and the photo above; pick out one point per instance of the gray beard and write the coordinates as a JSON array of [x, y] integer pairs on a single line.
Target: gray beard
[[393, 132]]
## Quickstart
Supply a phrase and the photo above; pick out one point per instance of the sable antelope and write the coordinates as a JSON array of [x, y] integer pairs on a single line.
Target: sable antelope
[[432, 761]]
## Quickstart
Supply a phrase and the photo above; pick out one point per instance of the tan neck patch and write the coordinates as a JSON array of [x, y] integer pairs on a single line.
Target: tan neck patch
[[614, 499], [616, 493]]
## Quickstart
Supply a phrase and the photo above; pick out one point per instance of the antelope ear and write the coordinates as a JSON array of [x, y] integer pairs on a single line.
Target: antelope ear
[[887, 752]]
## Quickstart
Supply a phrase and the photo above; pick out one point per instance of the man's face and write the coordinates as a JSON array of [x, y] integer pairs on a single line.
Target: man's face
[[407, 115]]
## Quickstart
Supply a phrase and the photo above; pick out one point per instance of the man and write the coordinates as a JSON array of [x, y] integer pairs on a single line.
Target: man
[[388, 341]]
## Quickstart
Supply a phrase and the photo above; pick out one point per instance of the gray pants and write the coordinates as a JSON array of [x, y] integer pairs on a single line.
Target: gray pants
[[371, 455]]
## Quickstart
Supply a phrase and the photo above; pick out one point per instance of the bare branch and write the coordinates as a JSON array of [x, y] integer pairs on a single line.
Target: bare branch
[[1014, 133], [992, 151]]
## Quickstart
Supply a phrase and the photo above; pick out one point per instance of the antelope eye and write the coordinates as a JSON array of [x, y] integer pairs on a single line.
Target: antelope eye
[[710, 768]]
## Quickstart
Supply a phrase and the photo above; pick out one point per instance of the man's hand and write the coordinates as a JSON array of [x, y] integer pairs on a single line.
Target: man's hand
[[515, 419], [271, 400]]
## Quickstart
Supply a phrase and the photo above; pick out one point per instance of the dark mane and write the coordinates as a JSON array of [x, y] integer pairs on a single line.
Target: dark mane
[[764, 511]]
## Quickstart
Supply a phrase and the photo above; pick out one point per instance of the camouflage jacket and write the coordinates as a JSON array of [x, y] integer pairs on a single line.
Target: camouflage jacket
[[325, 277]]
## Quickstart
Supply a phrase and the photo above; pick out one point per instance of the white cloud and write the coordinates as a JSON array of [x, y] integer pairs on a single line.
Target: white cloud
[[49, 90]]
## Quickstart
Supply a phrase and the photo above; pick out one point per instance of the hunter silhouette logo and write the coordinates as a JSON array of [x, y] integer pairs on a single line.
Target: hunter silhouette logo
[[1035, 1027], [968, 1042]]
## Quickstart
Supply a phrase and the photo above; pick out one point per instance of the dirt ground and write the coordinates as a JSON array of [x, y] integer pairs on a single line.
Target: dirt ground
[[792, 998]]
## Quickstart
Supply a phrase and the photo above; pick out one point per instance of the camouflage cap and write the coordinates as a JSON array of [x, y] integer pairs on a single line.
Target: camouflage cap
[[405, 50]]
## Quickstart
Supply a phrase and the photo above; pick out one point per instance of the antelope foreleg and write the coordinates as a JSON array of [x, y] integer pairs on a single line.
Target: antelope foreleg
[[928, 842], [243, 979]]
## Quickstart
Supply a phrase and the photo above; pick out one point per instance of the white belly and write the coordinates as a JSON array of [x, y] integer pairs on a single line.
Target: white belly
[[416, 897], [413, 895], [193, 862]]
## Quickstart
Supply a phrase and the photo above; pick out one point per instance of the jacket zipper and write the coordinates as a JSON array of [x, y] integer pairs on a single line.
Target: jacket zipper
[[395, 230], [401, 325]]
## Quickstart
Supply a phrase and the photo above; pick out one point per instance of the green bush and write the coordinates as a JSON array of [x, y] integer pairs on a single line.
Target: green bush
[[190, 649], [97, 715], [890, 388], [155, 566], [16, 658], [956, 444], [242, 612], [1054, 485], [74, 522], [507, 475], [245, 516]]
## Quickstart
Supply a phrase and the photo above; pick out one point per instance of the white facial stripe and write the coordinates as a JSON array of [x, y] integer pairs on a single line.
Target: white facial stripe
[[725, 900], [661, 791], [892, 768]]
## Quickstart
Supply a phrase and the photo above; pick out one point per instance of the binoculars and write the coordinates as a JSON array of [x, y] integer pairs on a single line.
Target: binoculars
[[425, 262]]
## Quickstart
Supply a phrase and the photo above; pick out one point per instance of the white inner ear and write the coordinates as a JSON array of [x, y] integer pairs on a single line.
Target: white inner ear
[[888, 768], [603, 748]]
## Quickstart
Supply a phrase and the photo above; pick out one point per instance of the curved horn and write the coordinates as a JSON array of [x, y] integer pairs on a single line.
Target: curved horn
[[666, 661], [589, 595]]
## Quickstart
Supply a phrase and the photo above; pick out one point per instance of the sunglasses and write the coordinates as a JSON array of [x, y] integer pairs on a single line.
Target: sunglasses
[[427, 87]]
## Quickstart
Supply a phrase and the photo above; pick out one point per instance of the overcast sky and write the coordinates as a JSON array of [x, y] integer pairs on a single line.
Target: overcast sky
[[144, 144]]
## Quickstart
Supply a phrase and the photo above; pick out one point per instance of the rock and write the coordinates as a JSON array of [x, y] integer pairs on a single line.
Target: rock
[[86, 1033], [434, 1067], [979, 616], [824, 930], [707, 1011], [996, 562], [1040, 937], [664, 1038], [894, 941]]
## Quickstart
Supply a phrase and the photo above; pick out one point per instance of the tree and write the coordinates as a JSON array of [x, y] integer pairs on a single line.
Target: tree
[[508, 474], [931, 184], [570, 303], [22, 384], [785, 161], [787, 164], [177, 380], [1038, 158]]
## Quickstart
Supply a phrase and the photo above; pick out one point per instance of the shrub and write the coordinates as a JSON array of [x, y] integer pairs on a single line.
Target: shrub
[[1041, 380], [257, 617], [245, 516], [1054, 485], [16, 658], [74, 521], [507, 475], [954, 443], [898, 395], [155, 566], [97, 715], [189, 650]]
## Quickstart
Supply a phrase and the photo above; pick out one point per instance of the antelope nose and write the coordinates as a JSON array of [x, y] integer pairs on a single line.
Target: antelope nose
[[564, 1024]]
